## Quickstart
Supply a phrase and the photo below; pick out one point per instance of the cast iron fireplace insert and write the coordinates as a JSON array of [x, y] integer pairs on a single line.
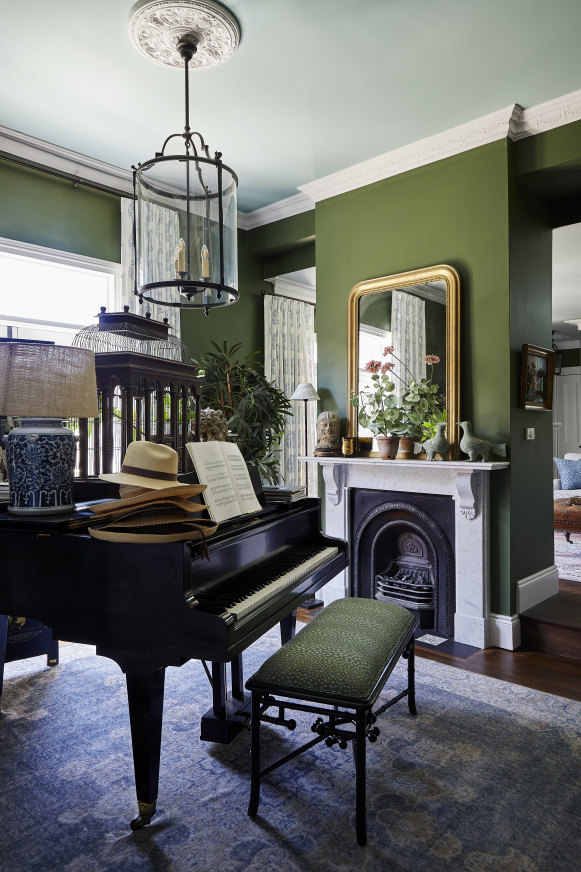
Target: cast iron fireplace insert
[[402, 551]]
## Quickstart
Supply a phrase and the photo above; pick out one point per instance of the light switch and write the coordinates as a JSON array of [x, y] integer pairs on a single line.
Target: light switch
[[530, 433]]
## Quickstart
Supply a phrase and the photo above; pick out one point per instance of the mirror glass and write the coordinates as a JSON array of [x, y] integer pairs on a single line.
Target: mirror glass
[[417, 314]]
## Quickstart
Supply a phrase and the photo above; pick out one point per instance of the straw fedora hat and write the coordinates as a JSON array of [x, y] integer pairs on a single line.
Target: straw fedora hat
[[147, 464]]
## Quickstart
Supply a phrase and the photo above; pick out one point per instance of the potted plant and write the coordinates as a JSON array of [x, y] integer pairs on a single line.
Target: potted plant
[[255, 409], [378, 409], [420, 402]]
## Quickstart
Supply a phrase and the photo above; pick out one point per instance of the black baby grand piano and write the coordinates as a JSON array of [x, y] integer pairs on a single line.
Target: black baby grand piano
[[151, 606]]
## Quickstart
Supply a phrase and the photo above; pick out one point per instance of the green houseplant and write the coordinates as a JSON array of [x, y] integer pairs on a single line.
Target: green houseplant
[[378, 410], [256, 410], [378, 407], [420, 403]]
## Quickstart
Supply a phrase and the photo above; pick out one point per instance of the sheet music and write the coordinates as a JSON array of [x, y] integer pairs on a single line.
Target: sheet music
[[220, 466]]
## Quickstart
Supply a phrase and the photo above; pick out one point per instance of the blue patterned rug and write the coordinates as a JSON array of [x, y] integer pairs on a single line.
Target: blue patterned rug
[[487, 777], [568, 556]]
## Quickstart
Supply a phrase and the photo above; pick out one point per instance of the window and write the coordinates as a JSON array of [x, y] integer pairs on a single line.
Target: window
[[372, 341], [47, 294]]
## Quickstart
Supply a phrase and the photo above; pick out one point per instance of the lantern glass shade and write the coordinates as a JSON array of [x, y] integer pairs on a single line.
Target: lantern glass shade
[[186, 231]]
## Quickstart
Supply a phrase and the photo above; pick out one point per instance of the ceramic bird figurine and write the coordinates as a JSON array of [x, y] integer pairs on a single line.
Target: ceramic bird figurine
[[438, 444], [475, 447]]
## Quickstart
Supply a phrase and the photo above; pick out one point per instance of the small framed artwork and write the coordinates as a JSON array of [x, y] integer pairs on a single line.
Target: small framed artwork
[[536, 378]]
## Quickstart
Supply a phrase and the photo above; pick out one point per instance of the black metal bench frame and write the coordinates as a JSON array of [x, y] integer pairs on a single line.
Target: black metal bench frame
[[339, 713]]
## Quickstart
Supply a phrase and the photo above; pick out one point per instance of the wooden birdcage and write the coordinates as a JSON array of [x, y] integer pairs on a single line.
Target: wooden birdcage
[[152, 396]]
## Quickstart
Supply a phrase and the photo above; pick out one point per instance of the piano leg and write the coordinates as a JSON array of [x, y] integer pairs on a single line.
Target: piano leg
[[145, 698], [288, 626], [230, 712], [219, 689], [237, 668]]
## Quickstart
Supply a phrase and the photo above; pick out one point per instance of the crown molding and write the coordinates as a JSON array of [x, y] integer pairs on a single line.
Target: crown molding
[[489, 128], [513, 122], [295, 205], [57, 158], [547, 116], [284, 287]]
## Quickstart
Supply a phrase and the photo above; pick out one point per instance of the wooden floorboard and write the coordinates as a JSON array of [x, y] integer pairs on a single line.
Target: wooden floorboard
[[558, 675]]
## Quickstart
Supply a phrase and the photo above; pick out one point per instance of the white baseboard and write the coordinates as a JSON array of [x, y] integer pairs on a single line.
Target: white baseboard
[[535, 588], [504, 631]]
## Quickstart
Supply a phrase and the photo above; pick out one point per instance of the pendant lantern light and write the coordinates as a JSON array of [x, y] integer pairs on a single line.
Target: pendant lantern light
[[185, 217]]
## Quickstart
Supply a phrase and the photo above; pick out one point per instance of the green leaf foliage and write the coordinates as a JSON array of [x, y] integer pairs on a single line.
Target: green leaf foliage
[[256, 410]]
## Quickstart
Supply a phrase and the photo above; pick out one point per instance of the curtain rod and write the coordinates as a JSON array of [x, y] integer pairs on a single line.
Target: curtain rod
[[286, 297], [60, 174]]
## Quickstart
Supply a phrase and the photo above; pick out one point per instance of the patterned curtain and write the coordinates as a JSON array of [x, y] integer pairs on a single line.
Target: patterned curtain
[[163, 232], [289, 357], [408, 333]]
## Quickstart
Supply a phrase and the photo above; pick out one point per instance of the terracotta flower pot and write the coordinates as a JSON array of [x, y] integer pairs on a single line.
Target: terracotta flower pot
[[387, 446], [406, 448]]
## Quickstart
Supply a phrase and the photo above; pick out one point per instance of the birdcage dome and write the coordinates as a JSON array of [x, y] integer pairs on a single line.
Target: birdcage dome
[[125, 331]]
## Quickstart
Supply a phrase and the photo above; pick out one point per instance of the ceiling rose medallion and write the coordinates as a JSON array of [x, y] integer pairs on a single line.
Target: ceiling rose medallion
[[157, 26]]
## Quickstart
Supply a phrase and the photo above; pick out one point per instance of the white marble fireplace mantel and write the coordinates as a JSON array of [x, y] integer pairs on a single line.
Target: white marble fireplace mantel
[[466, 482]]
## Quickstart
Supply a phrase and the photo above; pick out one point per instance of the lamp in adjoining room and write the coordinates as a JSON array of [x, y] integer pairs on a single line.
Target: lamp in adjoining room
[[306, 392], [185, 217], [42, 385]]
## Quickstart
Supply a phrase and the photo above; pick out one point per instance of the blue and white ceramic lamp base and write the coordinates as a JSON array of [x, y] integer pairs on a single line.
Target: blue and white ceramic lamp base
[[40, 457]]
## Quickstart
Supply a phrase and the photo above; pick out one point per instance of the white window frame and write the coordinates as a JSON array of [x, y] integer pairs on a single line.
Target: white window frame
[[64, 258]]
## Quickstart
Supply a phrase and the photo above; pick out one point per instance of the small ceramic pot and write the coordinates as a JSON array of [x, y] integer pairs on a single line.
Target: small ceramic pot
[[387, 446], [406, 448]]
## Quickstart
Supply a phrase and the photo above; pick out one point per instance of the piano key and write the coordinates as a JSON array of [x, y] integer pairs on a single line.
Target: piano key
[[274, 586]]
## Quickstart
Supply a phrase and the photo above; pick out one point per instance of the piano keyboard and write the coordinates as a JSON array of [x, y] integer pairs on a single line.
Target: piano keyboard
[[236, 598]]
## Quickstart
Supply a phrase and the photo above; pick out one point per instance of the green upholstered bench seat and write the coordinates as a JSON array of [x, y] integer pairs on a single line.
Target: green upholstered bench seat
[[341, 654], [335, 667]]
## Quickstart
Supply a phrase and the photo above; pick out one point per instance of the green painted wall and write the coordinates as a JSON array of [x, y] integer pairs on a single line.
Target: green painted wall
[[531, 471], [43, 210], [454, 212]]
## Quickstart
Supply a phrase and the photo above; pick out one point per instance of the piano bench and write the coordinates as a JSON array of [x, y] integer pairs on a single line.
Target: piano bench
[[335, 667]]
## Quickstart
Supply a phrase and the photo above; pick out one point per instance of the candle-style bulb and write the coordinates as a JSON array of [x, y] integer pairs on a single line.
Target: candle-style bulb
[[181, 258], [205, 262]]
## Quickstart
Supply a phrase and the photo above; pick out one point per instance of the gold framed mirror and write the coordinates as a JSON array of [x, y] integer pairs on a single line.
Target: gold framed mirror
[[428, 299]]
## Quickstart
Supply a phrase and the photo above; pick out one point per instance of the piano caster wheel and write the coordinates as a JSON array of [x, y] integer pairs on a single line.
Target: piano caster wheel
[[146, 812]]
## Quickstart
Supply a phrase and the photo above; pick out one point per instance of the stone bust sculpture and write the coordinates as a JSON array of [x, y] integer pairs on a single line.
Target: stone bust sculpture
[[213, 426], [328, 435]]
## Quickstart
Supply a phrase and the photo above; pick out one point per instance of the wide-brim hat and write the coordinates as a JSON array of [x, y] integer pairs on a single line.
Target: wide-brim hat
[[147, 464]]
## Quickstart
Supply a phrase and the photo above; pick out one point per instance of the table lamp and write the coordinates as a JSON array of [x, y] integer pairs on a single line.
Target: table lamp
[[42, 384], [305, 391]]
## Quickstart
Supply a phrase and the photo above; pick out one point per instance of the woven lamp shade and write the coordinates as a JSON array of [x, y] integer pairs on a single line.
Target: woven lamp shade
[[47, 381]]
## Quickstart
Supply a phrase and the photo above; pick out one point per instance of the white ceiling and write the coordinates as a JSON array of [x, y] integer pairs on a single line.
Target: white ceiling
[[315, 86]]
